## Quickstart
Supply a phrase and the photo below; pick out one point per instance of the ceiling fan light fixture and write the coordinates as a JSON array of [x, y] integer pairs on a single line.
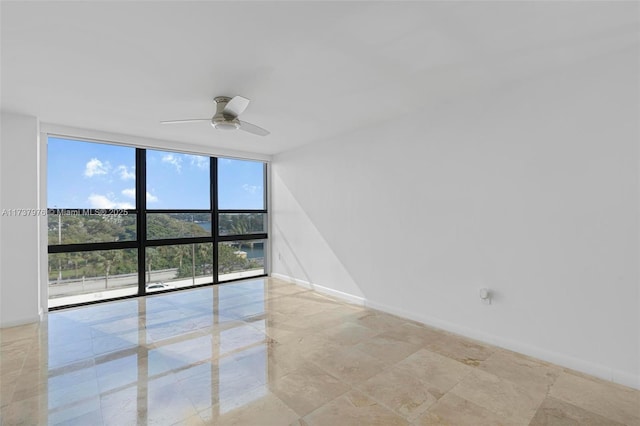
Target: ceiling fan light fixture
[[225, 124]]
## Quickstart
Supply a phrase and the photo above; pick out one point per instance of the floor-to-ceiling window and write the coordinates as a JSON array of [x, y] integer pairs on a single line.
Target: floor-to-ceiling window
[[179, 207], [242, 218], [126, 221]]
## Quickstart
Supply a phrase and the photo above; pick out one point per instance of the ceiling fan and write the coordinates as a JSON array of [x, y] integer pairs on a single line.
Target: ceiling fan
[[226, 116]]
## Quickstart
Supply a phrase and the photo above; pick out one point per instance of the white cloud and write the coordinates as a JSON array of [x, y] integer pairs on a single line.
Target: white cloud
[[250, 188], [199, 161], [125, 174], [129, 193], [174, 160], [96, 167], [103, 202]]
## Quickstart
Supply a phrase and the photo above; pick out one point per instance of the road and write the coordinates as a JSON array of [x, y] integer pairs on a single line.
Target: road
[[92, 285], [72, 292]]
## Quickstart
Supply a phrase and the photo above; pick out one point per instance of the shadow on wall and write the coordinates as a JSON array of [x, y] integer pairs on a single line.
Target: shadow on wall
[[289, 270], [300, 251]]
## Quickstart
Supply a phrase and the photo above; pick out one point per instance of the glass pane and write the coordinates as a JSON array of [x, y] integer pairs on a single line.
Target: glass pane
[[178, 181], [178, 266], [240, 185], [178, 225], [81, 277], [90, 175], [242, 223], [240, 259], [84, 226]]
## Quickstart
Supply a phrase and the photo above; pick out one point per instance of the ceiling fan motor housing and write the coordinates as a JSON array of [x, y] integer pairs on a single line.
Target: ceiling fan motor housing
[[223, 121]]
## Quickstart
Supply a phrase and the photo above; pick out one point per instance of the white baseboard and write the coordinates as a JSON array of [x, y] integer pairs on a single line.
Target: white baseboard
[[562, 360], [22, 321], [356, 300], [597, 370]]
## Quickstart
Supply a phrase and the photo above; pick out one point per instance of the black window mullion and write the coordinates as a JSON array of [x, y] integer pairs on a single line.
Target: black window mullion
[[243, 237], [169, 211], [264, 187], [141, 206], [240, 211], [266, 246], [178, 241], [109, 245], [213, 169]]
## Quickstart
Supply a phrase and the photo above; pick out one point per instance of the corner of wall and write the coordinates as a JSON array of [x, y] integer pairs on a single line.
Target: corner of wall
[[20, 244]]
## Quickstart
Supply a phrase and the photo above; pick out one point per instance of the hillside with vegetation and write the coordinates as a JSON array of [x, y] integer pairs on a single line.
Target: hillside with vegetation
[[189, 260]]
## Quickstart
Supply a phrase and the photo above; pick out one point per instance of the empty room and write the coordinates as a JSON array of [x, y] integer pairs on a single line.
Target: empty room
[[320, 213]]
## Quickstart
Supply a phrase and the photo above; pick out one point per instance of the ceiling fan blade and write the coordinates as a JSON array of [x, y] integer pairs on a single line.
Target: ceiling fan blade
[[236, 106], [252, 128], [191, 120]]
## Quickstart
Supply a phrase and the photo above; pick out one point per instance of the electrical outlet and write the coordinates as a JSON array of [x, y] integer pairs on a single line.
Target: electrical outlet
[[485, 296]]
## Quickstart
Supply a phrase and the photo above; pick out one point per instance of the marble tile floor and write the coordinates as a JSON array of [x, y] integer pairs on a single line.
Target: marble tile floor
[[265, 352]]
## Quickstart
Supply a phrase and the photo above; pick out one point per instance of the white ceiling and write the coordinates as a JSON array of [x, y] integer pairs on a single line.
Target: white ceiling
[[312, 69]]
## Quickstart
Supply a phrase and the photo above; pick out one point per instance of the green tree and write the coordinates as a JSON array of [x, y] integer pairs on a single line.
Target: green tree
[[151, 256], [109, 258]]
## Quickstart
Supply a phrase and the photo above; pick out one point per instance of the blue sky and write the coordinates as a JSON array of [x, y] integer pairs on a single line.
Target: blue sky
[[102, 176]]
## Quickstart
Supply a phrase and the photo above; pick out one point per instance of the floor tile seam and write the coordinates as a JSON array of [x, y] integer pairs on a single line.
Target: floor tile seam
[[304, 417], [117, 389], [339, 378], [279, 295], [21, 369], [585, 409], [29, 346], [517, 383], [209, 422], [470, 368], [11, 395], [71, 420], [546, 395], [452, 388], [394, 363], [453, 391], [10, 411], [514, 383], [14, 393], [17, 372], [535, 411], [410, 419], [73, 404]]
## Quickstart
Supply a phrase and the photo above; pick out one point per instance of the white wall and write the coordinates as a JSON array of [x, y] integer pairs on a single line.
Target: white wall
[[530, 189], [19, 239]]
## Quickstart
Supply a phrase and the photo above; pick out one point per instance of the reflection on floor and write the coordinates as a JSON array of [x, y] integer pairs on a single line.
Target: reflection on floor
[[265, 352]]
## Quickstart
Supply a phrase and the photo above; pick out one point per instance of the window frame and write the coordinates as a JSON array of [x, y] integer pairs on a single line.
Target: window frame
[[141, 243]]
